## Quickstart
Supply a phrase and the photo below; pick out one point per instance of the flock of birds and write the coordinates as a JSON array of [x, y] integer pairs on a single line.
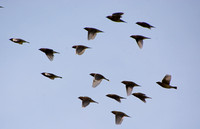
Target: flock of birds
[[97, 78]]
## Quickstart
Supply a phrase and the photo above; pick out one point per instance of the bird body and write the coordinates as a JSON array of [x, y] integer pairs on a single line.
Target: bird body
[[49, 53], [97, 79], [119, 117], [86, 100], [129, 86], [80, 49], [92, 32], [115, 97], [50, 75], [18, 40], [116, 17], [139, 39], [145, 25], [166, 82], [141, 96]]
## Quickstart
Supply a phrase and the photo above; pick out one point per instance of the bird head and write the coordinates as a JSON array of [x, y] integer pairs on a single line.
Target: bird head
[[74, 46], [92, 74]]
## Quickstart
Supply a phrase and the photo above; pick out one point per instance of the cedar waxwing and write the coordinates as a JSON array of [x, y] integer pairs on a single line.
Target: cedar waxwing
[[145, 25], [92, 32], [80, 49], [97, 79], [129, 86], [86, 100], [139, 39], [49, 53], [50, 75], [141, 96], [119, 117], [166, 82], [116, 17], [116, 97], [19, 41]]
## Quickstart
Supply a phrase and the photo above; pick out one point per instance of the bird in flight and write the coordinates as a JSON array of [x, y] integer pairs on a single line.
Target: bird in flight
[[139, 39], [115, 97], [50, 75], [49, 53], [145, 25], [116, 17], [141, 96], [97, 79], [119, 117], [80, 49], [86, 100], [18, 40], [92, 32], [129, 86], [166, 82]]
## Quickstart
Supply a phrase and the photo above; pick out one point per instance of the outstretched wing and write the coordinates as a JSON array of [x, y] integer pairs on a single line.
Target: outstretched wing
[[167, 79]]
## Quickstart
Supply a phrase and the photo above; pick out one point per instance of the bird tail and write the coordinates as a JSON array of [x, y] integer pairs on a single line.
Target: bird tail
[[106, 79], [59, 77], [56, 52]]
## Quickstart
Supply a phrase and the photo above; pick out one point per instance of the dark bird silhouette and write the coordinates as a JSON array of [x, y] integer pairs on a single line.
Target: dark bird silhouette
[[115, 97], [129, 86], [166, 82], [86, 100], [50, 75], [97, 79], [49, 53], [145, 25], [92, 32], [18, 40], [1, 7], [139, 39], [116, 17], [119, 117], [80, 49], [141, 96]]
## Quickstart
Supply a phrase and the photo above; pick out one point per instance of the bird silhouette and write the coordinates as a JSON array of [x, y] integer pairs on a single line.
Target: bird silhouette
[[141, 96], [49, 53], [115, 97], [145, 25], [80, 49], [97, 79], [139, 39], [50, 75], [116, 17], [129, 86], [119, 117], [166, 82], [18, 40], [92, 32], [86, 100]]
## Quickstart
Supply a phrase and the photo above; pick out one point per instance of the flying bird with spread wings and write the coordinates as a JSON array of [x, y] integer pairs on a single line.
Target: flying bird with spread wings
[[119, 116], [166, 82], [86, 101], [92, 32], [139, 39], [18, 40], [129, 86], [116, 17], [49, 53], [80, 49], [97, 79]]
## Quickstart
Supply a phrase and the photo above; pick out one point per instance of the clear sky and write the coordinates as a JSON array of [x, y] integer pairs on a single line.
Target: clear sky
[[28, 100]]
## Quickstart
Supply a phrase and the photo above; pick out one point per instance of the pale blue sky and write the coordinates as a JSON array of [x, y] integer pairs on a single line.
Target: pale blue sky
[[32, 101]]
